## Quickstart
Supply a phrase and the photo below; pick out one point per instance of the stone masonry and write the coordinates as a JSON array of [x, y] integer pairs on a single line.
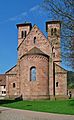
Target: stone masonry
[[38, 73]]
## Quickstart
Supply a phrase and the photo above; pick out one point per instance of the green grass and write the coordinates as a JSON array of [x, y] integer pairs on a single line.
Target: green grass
[[58, 106]]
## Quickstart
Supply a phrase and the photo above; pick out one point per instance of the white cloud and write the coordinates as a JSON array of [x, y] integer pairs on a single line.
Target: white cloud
[[34, 8], [23, 14], [14, 18]]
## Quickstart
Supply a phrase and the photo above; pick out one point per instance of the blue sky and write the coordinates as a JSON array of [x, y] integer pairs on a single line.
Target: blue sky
[[11, 13]]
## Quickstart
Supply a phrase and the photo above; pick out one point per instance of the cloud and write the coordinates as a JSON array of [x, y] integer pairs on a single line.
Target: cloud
[[34, 8], [23, 14], [18, 16], [14, 18]]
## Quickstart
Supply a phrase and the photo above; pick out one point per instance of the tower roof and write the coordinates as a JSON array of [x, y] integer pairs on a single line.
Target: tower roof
[[24, 24], [52, 22]]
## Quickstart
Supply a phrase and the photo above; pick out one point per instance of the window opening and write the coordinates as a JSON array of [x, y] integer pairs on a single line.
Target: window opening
[[51, 31], [34, 40], [33, 73], [56, 84], [55, 31], [13, 85]]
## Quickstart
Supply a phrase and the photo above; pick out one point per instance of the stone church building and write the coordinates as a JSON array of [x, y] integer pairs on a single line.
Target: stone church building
[[38, 73]]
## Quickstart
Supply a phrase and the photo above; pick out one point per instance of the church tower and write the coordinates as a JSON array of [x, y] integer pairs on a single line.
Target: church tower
[[23, 30], [53, 29]]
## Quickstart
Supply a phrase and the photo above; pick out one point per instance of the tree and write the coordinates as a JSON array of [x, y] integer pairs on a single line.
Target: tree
[[63, 10]]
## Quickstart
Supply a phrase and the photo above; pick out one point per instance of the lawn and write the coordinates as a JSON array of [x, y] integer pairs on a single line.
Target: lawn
[[57, 106]]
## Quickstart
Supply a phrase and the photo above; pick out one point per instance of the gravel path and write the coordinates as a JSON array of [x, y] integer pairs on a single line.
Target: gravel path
[[13, 114]]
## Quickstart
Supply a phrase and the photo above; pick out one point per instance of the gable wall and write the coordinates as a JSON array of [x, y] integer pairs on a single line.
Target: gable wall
[[28, 43]]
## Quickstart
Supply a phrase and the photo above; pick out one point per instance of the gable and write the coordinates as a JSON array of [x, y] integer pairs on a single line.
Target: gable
[[59, 69], [12, 70], [35, 50], [28, 43]]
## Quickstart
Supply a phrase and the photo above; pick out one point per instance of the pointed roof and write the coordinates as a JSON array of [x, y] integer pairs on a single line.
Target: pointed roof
[[24, 24]]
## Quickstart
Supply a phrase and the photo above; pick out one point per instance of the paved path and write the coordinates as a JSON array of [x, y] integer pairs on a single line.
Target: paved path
[[13, 114]]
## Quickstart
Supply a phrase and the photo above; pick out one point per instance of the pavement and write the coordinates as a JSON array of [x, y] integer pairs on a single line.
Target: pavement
[[14, 114]]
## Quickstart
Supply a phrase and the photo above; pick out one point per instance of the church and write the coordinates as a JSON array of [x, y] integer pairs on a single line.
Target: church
[[38, 73]]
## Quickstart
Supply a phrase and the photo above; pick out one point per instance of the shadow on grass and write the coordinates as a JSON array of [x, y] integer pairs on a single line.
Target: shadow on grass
[[8, 101]]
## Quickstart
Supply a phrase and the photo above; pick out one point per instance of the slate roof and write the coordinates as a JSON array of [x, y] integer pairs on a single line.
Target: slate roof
[[24, 24]]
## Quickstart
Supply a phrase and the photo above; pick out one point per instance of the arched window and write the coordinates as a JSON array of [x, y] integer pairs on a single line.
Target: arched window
[[55, 31], [13, 85], [34, 40], [51, 31], [23, 34], [33, 73]]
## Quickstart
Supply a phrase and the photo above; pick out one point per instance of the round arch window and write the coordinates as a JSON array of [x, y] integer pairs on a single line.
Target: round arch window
[[33, 73]]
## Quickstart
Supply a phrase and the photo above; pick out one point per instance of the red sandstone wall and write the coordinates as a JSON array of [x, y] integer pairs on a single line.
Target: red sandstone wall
[[38, 88], [11, 77], [43, 86], [20, 29], [41, 42], [61, 78]]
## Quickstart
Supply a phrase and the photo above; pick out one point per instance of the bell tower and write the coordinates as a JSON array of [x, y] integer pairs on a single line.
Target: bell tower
[[53, 29], [23, 30]]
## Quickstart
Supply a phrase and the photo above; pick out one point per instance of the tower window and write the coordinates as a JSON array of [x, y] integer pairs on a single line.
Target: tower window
[[33, 73], [51, 31], [13, 85], [34, 40], [23, 34], [55, 31], [56, 84]]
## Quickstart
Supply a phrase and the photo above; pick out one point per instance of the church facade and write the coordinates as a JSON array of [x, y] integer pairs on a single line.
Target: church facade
[[38, 73]]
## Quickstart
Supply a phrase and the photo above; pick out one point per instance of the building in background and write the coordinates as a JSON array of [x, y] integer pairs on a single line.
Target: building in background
[[2, 86]]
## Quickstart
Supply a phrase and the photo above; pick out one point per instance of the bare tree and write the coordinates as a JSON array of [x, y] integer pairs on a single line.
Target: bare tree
[[63, 10]]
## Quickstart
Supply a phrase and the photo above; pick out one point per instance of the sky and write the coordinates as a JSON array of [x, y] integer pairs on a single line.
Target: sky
[[13, 12]]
